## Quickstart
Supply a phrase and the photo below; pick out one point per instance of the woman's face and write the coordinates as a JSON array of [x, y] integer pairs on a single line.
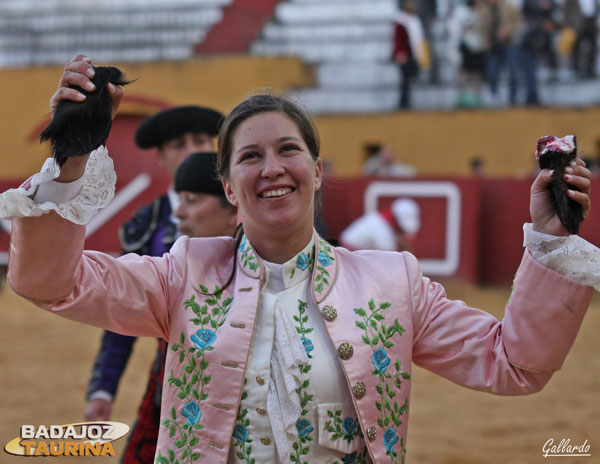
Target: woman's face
[[272, 176]]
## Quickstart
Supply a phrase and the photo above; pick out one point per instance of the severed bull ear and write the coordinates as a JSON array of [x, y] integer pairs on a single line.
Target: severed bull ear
[[80, 127], [556, 154]]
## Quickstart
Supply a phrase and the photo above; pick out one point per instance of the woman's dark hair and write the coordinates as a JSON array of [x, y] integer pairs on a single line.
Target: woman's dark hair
[[251, 106]]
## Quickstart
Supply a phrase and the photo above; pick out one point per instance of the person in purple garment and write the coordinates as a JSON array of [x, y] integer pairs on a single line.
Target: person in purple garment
[[175, 134]]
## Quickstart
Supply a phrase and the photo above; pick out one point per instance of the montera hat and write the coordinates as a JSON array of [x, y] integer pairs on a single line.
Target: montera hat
[[198, 174], [407, 214], [174, 122]]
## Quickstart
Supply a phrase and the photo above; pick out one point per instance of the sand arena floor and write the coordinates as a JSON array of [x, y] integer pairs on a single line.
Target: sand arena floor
[[45, 364]]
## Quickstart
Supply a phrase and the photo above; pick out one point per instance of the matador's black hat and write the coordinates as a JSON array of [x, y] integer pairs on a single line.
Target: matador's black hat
[[174, 122], [198, 174]]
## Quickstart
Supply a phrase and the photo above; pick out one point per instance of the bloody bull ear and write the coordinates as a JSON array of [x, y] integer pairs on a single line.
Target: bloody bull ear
[[557, 153], [80, 127]]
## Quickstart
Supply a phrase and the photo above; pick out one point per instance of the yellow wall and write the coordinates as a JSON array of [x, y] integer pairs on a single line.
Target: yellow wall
[[219, 83], [443, 143], [435, 142]]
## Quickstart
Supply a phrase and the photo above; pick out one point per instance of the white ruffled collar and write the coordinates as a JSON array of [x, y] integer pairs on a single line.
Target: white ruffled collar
[[288, 353], [280, 277]]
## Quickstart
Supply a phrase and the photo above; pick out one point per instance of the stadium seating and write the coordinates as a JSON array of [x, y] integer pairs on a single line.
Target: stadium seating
[[348, 43], [53, 31]]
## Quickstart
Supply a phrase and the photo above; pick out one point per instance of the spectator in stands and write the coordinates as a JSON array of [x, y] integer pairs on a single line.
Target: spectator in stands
[[175, 133], [408, 47], [500, 24], [582, 17], [391, 229], [471, 45], [444, 53], [477, 166], [536, 43], [380, 160], [428, 13]]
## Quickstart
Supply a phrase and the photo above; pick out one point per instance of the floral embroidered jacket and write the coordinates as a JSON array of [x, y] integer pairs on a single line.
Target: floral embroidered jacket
[[381, 315]]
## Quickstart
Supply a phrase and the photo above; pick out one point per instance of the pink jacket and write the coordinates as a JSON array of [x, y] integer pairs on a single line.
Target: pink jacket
[[379, 310]]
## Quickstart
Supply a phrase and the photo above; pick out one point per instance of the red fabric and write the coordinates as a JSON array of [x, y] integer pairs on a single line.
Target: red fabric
[[402, 52], [390, 219], [141, 446]]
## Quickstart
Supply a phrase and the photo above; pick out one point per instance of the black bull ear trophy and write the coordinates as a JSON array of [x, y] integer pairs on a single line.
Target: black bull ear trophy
[[80, 127], [555, 153]]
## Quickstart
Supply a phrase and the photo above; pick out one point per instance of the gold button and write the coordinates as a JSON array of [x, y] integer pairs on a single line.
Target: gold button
[[329, 313], [371, 433], [265, 440], [359, 389], [345, 351], [261, 411], [260, 380]]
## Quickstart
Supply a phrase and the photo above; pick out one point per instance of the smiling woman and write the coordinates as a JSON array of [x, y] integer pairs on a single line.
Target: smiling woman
[[272, 177], [305, 339]]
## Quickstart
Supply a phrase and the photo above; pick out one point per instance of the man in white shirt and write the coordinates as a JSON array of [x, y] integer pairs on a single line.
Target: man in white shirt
[[391, 229]]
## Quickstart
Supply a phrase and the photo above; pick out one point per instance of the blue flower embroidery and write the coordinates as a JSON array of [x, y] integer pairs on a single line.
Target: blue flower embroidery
[[381, 361], [304, 427], [302, 261], [308, 346], [243, 243], [350, 458], [203, 338], [240, 433], [191, 411], [349, 426], [389, 439], [324, 259]]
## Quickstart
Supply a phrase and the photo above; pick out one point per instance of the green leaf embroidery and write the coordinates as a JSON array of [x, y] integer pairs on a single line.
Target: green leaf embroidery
[[191, 385], [304, 427], [390, 374]]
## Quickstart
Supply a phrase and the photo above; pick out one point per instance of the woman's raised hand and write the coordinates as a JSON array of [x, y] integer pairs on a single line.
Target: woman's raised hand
[[541, 206], [80, 72]]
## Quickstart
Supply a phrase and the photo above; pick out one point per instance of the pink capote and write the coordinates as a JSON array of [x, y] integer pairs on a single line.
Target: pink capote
[[144, 296]]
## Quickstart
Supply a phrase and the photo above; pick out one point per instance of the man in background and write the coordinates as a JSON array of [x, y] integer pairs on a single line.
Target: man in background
[[391, 229]]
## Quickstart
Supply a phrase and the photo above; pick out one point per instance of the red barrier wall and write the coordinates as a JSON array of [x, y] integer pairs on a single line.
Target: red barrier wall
[[506, 208], [344, 202], [493, 212]]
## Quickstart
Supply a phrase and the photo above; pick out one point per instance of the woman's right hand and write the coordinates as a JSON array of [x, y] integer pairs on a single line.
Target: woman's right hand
[[79, 72]]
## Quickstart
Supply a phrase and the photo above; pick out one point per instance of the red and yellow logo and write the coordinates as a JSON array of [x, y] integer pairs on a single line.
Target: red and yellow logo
[[79, 439]]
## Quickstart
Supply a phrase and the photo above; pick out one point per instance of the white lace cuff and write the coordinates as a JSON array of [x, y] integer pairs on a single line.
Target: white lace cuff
[[57, 192], [570, 256], [97, 191]]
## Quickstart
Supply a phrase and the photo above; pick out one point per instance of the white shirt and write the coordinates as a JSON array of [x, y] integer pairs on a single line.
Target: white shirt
[[294, 385], [370, 232]]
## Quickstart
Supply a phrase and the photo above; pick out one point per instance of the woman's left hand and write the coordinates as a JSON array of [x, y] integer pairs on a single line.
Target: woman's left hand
[[541, 206]]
